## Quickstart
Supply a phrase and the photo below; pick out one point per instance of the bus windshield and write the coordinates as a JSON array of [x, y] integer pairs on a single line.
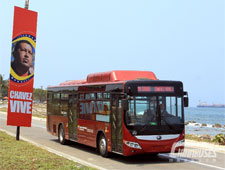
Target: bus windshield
[[162, 113]]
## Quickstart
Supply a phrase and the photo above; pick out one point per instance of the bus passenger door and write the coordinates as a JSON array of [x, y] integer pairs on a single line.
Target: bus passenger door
[[116, 124], [72, 116]]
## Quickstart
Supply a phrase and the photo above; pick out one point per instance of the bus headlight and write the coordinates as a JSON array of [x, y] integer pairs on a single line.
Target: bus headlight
[[133, 144]]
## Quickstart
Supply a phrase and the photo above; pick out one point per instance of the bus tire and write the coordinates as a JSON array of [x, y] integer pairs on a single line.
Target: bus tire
[[61, 135], [102, 146], [154, 154]]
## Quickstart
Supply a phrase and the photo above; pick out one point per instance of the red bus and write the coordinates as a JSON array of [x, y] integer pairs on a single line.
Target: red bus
[[125, 112]]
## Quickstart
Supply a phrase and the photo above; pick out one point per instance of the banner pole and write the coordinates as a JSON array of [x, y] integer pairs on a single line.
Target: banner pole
[[18, 127], [18, 133], [26, 4]]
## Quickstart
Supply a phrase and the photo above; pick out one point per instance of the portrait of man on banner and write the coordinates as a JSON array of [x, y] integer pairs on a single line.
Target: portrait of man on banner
[[22, 60]]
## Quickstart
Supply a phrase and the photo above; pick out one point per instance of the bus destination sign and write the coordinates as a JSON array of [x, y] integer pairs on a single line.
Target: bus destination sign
[[153, 89]]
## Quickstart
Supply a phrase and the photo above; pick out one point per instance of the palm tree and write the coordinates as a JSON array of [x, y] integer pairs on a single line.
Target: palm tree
[[4, 84]]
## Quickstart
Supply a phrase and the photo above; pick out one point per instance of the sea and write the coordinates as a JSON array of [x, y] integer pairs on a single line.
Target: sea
[[204, 115]]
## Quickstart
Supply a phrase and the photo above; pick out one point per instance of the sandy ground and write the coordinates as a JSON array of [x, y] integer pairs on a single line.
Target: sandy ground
[[205, 145], [39, 109]]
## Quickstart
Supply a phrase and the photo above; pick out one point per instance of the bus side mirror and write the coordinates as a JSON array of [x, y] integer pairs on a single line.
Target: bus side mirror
[[185, 101], [125, 104]]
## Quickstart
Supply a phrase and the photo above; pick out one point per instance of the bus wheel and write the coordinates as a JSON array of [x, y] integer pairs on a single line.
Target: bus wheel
[[61, 135], [102, 145], [154, 154]]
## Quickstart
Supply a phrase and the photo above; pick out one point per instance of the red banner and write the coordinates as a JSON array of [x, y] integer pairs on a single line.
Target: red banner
[[22, 68]]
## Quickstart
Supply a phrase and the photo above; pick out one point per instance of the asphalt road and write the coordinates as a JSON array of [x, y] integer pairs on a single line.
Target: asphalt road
[[194, 158]]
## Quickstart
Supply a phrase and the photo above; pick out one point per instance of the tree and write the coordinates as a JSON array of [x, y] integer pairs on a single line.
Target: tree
[[4, 86], [39, 94], [1, 80]]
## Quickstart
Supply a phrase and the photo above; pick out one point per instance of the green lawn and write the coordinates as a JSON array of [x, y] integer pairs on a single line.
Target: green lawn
[[23, 155]]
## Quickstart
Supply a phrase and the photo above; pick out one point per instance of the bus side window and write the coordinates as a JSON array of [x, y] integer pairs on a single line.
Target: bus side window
[[99, 95], [56, 96], [56, 103], [64, 103], [81, 96], [64, 96], [49, 96], [49, 102], [87, 96], [92, 96], [106, 95], [106, 107]]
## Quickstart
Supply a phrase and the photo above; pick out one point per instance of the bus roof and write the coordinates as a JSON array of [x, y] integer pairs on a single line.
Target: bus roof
[[113, 77]]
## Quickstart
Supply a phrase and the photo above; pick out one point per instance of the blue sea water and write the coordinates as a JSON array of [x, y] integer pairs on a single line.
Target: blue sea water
[[209, 116]]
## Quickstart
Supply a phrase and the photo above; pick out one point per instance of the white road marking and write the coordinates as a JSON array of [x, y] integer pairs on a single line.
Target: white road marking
[[191, 161]]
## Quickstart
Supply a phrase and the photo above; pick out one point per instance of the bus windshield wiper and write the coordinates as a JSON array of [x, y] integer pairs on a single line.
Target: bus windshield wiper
[[144, 127]]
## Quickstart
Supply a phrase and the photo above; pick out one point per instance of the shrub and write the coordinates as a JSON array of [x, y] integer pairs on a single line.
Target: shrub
[[220, 139]]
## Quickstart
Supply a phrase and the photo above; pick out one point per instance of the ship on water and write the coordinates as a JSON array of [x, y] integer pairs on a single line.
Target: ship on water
[[204, 104]]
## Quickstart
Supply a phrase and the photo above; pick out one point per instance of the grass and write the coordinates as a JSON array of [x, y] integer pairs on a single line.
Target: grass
[[196, 138], [22, 155]]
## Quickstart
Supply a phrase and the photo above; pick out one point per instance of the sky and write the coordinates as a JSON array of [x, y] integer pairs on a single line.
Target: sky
[[177, 40]]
